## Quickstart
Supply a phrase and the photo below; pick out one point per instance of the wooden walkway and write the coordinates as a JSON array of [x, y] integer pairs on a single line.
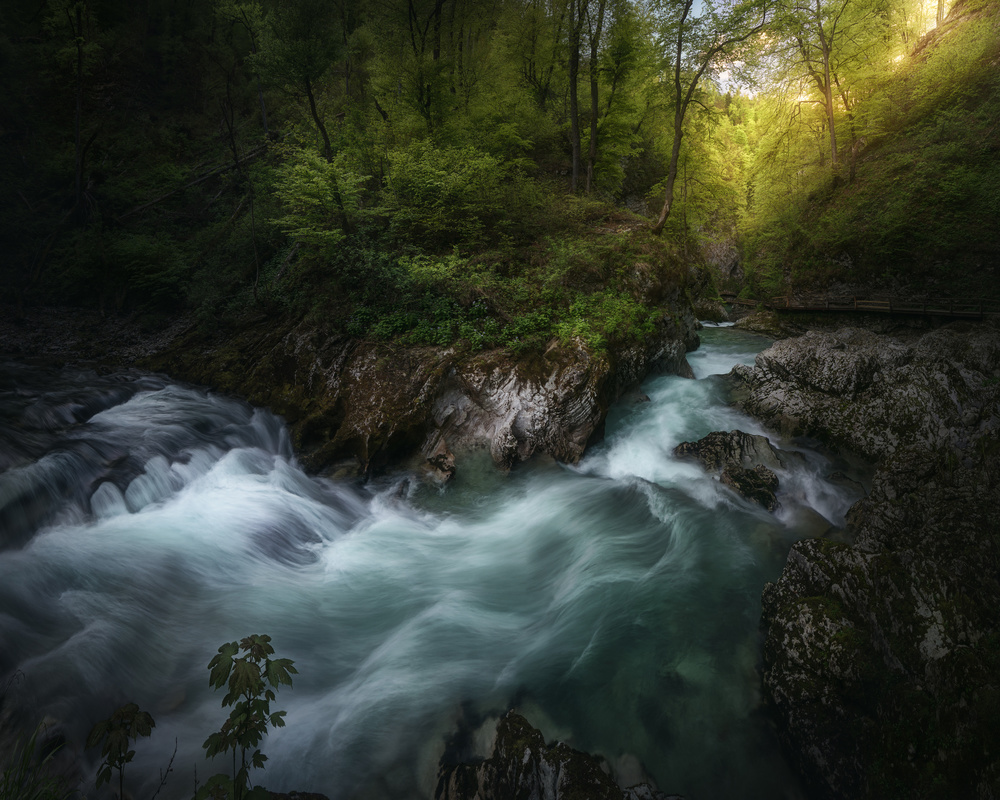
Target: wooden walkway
[[941, 307]]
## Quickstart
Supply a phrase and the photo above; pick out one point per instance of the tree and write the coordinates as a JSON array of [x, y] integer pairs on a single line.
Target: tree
[[115, 735], [698, 43], [251, 680], [829, 37], [595, 24], [251, 17], [298, 49]]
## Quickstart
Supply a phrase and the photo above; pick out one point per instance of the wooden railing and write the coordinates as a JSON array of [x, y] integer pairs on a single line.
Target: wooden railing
[[960, 308]]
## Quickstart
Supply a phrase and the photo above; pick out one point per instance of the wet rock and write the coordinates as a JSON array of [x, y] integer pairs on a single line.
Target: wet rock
[[521, 766], [758, 485], [745, 461], [440, 460], [380, 403], [737, 449], [710, 310], [882, 656]]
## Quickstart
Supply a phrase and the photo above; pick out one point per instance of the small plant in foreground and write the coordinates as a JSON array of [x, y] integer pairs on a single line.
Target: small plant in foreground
[[23, 774], [114, 735], [251, 679]]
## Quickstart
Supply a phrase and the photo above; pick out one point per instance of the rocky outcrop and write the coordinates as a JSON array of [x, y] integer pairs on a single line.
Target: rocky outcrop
[[882, 656], [521, 766], [744, 460], [710, 310], [765, 322], [358, 405], [873, 394]]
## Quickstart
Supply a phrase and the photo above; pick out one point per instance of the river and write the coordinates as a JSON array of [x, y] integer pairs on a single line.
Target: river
[[615, 602]]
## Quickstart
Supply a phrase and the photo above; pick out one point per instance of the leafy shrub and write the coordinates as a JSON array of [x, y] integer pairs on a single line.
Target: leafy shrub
[[114, 736], [454, 195], [251, 679], [319, 197]]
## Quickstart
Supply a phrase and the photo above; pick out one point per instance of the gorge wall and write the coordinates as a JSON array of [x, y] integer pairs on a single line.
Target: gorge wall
[[882, 656], [357, 405]]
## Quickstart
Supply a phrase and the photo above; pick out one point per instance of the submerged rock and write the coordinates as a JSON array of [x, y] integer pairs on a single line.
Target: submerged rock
[[521, 766], [882, 657]]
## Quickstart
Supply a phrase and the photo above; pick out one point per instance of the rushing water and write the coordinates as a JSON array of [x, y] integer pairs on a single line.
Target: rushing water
[[615, 603]]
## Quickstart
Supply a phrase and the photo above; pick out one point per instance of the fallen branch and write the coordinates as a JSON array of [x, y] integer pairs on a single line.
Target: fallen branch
[[195, 182]]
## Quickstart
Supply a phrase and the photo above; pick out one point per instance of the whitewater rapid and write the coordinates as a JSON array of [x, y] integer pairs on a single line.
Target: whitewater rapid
[[615, 603]]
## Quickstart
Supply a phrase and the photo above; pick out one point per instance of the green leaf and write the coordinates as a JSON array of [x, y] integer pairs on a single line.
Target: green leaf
[[221, 665]]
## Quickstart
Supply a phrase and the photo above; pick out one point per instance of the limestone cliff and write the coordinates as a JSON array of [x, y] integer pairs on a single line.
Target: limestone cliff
[[882, 656], [360, 404]]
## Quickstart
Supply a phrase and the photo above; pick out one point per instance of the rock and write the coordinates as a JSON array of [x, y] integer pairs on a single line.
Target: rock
[[745, 461], [757, 485], [765, 322], [379, 403], [440, 460], [710, 310], [871, 394], [521, 766], [719, 450], [882, 656]]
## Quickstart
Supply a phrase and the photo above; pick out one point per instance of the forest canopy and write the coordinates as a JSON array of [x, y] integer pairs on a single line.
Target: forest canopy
[[398, 162]]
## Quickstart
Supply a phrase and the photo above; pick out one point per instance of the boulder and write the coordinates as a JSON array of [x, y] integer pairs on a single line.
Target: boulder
[[710, 310], [521, 766], [758, 485], [882, 655], [380, 403], [872, 394], [745, 461], [719, 450]]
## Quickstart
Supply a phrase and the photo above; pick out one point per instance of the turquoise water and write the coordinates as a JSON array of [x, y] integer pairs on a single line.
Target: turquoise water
[[615, 603]]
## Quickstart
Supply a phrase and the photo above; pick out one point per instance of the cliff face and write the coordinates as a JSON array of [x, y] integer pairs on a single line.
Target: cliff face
[[358, 405], [882, 656]]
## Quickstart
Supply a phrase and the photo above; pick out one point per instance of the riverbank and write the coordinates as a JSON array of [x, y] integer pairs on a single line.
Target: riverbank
[[882, 655]]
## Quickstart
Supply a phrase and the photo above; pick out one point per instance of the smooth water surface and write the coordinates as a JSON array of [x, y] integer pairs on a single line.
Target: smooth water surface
[[615, 603]]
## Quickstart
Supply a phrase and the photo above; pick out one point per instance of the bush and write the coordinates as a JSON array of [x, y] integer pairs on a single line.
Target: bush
[[441, 197]]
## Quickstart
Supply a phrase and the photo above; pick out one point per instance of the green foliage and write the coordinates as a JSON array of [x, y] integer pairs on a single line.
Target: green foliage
[[114, 736], [606, 317], [24, 775], [250, 680], [313, 192], [917, 181], [446, 196]]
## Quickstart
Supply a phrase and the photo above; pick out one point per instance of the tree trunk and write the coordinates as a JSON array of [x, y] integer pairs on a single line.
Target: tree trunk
[[327, 154], [260, 90], [828, 99], [595, 37], [78, 119], [680, 107], [940, 13], [574, 101], [675, 153]]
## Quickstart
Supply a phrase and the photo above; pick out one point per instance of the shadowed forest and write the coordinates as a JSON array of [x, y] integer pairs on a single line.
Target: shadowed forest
[[433, 171]]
